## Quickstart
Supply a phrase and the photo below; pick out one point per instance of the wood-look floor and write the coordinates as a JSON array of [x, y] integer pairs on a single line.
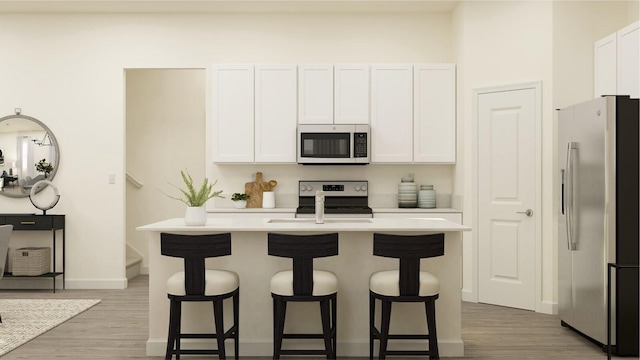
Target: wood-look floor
[[117, 328]]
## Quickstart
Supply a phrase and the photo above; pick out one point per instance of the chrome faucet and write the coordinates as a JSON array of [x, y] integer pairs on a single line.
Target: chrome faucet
[[319, 207]]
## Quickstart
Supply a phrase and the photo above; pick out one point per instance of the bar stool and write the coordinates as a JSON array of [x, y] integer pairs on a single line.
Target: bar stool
[[408, 284], [196, 283], [304, 284]]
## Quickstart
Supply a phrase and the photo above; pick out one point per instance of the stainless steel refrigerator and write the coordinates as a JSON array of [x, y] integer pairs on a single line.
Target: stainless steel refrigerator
[[598, 218]]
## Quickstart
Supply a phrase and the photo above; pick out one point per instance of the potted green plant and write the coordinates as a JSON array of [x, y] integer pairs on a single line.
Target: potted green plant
[[239, 200], [195, 199]]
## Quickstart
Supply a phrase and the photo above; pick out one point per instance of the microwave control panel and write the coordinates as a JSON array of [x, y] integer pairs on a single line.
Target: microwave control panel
[[359, 145]]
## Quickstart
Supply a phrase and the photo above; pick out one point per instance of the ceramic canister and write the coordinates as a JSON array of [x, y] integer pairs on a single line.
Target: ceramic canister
[[426, 197], [407, 193]]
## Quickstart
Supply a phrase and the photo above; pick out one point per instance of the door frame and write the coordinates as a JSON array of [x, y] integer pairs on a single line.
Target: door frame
[[537, 87]]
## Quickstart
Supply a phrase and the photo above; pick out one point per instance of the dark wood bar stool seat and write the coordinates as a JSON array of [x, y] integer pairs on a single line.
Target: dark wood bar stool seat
[[408, 284], [304, 284], [196, 283]]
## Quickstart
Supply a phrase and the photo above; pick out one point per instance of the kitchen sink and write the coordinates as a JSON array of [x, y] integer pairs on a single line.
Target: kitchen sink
[[312, 221]]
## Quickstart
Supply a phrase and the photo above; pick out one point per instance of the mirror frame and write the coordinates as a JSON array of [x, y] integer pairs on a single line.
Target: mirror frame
[[54, 142]]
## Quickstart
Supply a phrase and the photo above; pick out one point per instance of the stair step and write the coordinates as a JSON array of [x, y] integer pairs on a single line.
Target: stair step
[[134, 264], [133, 261]]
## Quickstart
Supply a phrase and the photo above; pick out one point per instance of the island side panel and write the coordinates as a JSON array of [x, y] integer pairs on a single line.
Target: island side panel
[[353, 266]]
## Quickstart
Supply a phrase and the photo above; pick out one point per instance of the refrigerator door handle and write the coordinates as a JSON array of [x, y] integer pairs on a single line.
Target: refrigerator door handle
[[568, 193]]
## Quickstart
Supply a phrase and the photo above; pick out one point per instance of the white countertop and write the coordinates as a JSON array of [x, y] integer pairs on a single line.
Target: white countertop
[[250, 223]]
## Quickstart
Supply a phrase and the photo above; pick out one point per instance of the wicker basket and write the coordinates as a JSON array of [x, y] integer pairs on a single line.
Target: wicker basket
[[31, 261]]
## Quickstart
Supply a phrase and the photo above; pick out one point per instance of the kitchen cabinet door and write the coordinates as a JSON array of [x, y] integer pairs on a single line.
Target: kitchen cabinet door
[[232, 88], [628, 51], [351, 89], [275, 113], [434, 113], [391, 113], [604, 58], [315, 94]]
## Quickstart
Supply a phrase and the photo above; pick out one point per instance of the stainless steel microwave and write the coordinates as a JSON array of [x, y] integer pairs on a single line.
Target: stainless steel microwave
[[324, 144]]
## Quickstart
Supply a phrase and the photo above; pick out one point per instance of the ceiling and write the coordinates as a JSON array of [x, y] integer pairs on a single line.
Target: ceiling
[[215, 6]]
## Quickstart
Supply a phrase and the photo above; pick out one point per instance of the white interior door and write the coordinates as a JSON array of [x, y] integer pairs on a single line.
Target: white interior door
[[508, 193]]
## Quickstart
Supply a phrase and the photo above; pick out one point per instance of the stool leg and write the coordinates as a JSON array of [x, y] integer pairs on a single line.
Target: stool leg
[[178, 327], [236, 323], [372, 316], [334, 321], [218, 315], [171, 338], [384, 328], [326, 327], [430, 307], [279, 312]]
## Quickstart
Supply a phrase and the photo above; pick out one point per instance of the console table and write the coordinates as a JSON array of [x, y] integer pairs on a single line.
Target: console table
[[33, 222]]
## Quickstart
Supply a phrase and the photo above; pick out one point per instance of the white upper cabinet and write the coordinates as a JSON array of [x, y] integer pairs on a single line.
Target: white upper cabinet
[[351, 88], [391, 113], [315, 94], [629, 60], [616, 60], [411, 108], [275, 113], [604, 58], [434, 113], [232, 113]]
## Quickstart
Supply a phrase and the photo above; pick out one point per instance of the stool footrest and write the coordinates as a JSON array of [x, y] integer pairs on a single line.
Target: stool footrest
[[409, 337], [198, 336], [302, 336], [196, 352], [407, 352], [303, 352]]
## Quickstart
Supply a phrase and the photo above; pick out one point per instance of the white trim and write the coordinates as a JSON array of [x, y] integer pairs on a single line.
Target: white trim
[[537, 86], [548, 307], [264, 347], [469, 295]]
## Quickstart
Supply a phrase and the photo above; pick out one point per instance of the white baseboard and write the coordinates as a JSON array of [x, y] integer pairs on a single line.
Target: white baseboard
[[469, 296], [447, 348], [144, 270], [94, 284], [549, 307], [27, 283]]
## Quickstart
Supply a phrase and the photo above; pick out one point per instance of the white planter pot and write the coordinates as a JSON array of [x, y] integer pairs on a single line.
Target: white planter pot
[[240, 204], [195, 216], [268, 200]]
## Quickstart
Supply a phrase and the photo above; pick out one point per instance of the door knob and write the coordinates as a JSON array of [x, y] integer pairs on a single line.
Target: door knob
[[529, 212]]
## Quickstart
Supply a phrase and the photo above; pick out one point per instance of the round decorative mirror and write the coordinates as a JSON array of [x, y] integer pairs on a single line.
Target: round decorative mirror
[[28, 153]]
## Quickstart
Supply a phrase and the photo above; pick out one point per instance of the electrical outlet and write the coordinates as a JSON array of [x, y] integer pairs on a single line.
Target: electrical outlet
[[112, 178]]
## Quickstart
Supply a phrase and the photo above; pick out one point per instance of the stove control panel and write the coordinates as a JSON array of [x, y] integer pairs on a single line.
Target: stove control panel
[[334, 188]]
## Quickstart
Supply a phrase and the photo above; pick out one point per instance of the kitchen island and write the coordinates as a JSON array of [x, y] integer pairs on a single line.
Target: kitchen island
[[352, 266]]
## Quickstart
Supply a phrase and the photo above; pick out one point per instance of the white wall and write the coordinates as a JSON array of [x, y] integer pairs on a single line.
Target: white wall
[[490, 55], [68, 71]]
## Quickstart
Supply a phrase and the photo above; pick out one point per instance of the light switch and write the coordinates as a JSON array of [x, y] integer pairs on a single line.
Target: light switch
[[112, 178]]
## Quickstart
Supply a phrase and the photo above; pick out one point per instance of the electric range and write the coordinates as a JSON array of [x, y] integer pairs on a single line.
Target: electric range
[[342, 198]]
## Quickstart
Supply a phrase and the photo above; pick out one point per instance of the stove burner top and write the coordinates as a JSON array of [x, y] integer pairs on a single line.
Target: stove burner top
[[336, 210], [341, 197]]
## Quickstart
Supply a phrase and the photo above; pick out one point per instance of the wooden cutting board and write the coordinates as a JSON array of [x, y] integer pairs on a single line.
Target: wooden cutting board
[[255, 189]]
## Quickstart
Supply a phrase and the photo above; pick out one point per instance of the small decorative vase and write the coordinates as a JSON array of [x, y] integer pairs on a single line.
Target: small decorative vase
[[268, 200], [240, 204], [407, 193], [426, 197], [195, 216]]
